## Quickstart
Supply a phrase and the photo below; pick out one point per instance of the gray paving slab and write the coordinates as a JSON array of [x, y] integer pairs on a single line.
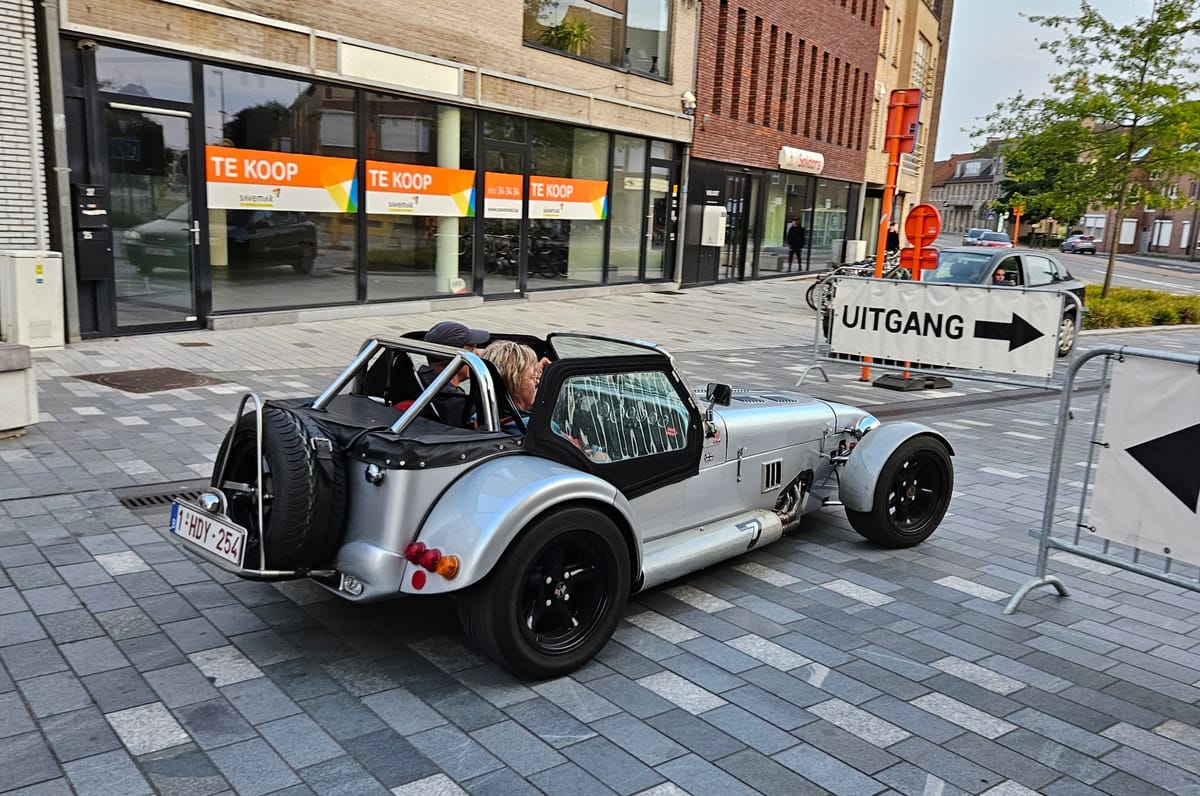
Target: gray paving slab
[[284, 688]]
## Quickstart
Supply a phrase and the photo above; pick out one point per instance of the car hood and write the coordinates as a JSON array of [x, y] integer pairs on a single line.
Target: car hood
[[761, 420], [163, 229]]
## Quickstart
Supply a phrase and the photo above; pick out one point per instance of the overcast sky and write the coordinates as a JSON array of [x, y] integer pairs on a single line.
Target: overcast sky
[[994, 54]]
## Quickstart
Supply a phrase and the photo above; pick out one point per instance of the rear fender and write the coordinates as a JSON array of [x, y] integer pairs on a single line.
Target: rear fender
[[481, 513], [861, 471]]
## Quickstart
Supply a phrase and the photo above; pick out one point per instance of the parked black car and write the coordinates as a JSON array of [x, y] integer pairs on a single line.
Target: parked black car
[[255, 238], [1022, 268]]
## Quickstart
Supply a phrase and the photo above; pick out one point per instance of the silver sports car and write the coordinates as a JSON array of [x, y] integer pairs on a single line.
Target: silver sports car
[[621, 478]]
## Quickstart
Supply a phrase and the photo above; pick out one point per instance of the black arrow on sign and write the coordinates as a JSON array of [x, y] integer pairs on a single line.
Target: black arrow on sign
[[1017, 332], [1171, 459]]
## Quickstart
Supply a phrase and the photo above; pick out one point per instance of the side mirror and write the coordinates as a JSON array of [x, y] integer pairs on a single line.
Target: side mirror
[[718, 394]]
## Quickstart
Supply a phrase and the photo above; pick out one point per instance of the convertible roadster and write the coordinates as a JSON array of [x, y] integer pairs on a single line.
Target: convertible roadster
[[621, 478]]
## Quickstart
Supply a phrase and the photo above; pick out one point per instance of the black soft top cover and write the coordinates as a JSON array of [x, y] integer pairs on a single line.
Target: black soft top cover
[[360, 426]]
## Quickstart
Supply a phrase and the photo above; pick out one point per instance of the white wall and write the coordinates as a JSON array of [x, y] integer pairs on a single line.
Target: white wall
[[22, 175]]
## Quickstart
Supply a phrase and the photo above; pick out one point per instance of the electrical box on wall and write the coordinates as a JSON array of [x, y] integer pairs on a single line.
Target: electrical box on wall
[[31, 298], [712, 226]]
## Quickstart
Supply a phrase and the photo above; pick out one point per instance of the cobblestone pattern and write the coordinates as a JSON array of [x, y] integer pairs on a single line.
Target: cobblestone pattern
[[816, 665]]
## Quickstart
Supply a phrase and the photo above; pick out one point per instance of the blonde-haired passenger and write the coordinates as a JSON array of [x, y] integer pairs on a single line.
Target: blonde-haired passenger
[[520, 369]]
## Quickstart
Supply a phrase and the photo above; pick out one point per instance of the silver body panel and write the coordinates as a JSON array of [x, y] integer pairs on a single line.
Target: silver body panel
[[861, 472]]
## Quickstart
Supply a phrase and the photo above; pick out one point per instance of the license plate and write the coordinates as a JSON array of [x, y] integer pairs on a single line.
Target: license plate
[[209, 532], [154, 251]]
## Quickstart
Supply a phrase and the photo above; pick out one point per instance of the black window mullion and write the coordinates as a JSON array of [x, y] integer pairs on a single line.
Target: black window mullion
[[360, 228]]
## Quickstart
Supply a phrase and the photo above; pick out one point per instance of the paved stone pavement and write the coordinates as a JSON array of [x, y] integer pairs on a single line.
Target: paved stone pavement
[[818, 664]]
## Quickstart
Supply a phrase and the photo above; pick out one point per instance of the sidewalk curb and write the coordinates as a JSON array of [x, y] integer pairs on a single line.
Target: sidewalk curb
[[1136, 329]]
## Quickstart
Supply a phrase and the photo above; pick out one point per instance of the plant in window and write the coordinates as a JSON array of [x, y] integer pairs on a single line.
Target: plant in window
[[569, 35]]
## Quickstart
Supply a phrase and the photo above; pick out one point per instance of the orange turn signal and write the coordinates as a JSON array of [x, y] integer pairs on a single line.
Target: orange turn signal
[[447, 567]]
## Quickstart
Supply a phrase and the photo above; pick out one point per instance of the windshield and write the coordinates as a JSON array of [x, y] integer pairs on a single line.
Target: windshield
[[181, 213], [995, 236], [960, 267]]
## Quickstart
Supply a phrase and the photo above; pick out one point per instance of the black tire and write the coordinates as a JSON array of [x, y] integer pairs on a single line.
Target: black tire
[[1066, 335], [911, 496], [305, 260], [303, 503], [810, 295], [537, 629]]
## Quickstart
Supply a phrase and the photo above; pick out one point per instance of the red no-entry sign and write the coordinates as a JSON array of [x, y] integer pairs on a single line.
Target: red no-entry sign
[[923, 225]]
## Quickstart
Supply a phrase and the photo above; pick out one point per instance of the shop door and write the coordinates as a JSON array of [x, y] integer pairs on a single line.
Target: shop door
[[504, 251], [737, 214], [662, 210], [155, 226]]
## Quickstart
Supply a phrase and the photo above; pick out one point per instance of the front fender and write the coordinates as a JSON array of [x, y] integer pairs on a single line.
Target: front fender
[[481, 513], [861, 471]]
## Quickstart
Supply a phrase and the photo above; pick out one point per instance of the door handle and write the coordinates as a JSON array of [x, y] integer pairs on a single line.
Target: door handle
[[195, 232]]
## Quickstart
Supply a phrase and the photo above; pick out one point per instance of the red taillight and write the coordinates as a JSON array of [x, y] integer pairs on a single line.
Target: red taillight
[[431, 558]]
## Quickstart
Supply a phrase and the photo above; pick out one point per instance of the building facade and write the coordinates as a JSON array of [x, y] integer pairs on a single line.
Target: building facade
[[782, 97], [235, 162], [23, 212], [912, 46], [964, 186]]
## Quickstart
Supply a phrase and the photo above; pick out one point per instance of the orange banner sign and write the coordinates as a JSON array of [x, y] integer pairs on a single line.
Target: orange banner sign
[[279, 180], [419, 190]]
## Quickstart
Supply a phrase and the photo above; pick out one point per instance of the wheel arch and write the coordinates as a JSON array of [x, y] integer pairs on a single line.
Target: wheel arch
[[861, 472], [480, 515]]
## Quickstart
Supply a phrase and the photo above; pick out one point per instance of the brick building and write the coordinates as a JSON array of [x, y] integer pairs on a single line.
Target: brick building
[[783, 92]]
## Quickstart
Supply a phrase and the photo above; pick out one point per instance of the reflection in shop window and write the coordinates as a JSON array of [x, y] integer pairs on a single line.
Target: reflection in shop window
[[281, 163], [631, 35], [568, 204], [337, 129], [420, 181]]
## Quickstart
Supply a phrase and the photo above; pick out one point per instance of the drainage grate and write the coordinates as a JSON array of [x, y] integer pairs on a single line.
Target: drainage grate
[[151, 380], [155, 495], [196, 345]]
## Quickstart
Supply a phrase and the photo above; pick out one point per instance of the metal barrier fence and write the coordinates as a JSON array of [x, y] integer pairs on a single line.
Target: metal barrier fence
[[1138, 505]]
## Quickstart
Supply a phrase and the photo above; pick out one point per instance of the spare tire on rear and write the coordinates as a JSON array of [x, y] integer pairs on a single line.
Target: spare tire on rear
[[304, 489]]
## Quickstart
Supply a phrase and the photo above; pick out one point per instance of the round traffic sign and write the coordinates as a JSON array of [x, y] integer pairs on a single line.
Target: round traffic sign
[[923, 225]]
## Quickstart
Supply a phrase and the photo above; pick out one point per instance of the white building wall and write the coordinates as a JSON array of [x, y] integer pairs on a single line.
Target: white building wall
[[22, 182]]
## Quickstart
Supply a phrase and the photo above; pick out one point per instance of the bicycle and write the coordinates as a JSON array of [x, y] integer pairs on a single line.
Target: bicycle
[[824, 287]]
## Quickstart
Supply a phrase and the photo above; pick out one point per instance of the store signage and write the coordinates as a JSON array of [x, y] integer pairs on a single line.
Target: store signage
[[501, 195], [400, 188], [559, 197], [549, 197], [252, 178], [1002, 329], [793, 159]]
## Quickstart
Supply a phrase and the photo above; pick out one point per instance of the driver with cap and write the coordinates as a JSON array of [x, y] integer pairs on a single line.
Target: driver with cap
[[452, 403]]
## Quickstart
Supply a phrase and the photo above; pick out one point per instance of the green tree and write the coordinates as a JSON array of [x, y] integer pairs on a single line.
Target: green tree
[[1118, 119]]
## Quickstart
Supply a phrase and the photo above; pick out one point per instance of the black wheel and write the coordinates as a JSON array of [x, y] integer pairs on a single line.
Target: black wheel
[[303, 502], [810, 295], [911, 497], [305, 260], [554, 599], [1066, 335]]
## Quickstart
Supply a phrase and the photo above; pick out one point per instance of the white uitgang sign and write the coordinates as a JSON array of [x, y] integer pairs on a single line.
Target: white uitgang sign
[[1005, 330], [1148, 481]]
